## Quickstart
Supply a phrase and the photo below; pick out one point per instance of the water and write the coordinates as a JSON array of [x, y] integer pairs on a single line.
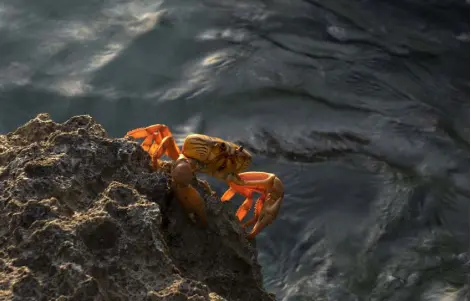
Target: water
[[360, 107]]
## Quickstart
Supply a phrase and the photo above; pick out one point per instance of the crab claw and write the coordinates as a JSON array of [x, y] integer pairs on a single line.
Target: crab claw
[[186, 194], [158, 140], [246, 205], [268, 213], [268, 204]]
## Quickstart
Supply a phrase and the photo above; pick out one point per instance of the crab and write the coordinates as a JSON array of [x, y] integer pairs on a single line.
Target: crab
[[220, 159]]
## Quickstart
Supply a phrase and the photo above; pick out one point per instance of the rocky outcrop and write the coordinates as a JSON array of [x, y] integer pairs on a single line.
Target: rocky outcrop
[[84, 217]]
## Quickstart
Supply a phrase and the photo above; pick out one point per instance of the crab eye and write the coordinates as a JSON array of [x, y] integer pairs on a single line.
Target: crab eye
[[241, 149], [222, 146], [222, 167]]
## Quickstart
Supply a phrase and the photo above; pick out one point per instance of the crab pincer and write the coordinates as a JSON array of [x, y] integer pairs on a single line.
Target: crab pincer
[[267, 205], [158, 141], [190, 199]]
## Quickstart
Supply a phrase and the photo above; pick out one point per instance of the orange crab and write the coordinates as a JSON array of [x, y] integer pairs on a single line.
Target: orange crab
[[218, 158]]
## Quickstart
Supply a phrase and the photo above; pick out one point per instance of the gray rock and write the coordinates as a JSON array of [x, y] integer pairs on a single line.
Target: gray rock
[[84, 217]]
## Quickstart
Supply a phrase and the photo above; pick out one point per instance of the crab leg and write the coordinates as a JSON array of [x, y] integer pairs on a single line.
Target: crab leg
[[244, 208], [186, 194], [258, 210], [246, 205], [150, 134], [167, 146], [267, 205], [158, 140], [255, 181], [228, 195], [265, 212]]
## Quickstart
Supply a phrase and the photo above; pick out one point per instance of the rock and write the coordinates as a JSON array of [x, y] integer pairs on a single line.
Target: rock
[[84, 217]]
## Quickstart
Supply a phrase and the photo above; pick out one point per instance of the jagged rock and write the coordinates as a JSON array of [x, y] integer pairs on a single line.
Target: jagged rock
[[84, 217]]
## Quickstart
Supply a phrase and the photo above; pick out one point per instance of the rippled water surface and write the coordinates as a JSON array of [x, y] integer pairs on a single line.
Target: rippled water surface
[[360, 107]]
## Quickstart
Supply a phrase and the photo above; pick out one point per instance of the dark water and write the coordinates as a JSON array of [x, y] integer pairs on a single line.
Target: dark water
[[360, 107]]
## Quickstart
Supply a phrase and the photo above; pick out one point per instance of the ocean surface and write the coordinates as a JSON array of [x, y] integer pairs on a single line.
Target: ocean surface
[[360, 107]]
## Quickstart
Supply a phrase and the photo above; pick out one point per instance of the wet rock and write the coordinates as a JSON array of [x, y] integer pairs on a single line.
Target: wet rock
[[84, 217]]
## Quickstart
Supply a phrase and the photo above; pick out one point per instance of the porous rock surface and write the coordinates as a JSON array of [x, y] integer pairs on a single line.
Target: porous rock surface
[[84, 217]]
